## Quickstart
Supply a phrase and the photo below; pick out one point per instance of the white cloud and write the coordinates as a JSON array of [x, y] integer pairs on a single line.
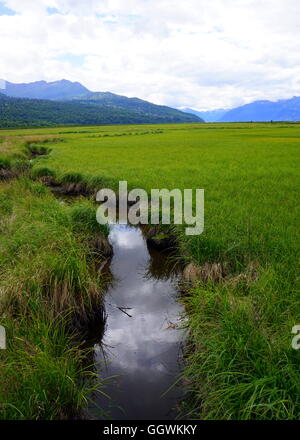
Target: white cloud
[[194, 53]]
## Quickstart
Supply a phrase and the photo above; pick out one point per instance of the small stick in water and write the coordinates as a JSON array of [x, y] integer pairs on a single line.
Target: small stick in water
[[123, 309]]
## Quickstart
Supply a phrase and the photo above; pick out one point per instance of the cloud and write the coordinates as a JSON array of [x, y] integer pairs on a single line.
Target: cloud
[[193, 53]]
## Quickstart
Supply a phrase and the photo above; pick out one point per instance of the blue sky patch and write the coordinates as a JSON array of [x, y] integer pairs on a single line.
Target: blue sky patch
[[52, 11], [76, 60], [6, 11]]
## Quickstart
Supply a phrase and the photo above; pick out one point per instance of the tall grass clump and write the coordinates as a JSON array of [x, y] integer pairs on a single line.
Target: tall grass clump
[[83, 217], [72, 178], [240, 363], [40, 241], [44, 175], [37, 150], [21, 166], [42, 172], [48, 292], [42, 371], [5, 163], [74, 184], [97, 182]]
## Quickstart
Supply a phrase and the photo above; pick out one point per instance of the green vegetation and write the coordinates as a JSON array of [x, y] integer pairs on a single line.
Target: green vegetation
[[5, 163], [49, 294], [139, 106], [22, 112], [240, 364]]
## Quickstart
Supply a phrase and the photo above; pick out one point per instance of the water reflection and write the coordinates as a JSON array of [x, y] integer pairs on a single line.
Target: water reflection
[[142, 342], [163, 265]]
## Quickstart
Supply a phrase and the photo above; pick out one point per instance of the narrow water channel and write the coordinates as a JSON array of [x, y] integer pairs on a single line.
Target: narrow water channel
[[142, 344]]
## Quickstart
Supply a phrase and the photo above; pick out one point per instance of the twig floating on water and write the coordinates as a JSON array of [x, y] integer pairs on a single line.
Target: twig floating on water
[[123, 309]]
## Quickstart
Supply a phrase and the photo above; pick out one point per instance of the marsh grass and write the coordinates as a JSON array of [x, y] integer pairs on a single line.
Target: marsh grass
[[72, 178], [239, 363], [42, 371], [47, 258], [41, 172], [5, 163], [48, 292], [83, 217], [37, 150]]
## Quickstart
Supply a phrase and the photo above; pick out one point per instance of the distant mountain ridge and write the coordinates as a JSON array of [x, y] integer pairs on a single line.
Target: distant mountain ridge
[[208, 115], [257, 111], [56, 90], [260, 111], [108, 104]]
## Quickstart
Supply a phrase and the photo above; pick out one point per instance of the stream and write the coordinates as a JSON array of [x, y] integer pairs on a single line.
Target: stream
[[140, 353]]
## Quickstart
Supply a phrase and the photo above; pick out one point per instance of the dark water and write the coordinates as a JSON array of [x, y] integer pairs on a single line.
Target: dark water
[[142, 350]]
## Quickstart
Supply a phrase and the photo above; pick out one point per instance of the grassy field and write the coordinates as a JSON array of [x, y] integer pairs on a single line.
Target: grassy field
[[49, 293], [240, 363]]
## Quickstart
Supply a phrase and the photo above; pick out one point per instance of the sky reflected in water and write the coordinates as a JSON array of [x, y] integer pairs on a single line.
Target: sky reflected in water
[[142, 349]]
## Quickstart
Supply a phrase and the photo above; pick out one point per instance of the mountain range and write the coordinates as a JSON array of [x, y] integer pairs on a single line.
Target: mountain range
[[260, 111], [257, 111], [207, 116], [64, 102], [56, 90]]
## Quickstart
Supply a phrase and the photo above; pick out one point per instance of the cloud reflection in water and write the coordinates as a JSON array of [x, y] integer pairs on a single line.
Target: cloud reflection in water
[[143, 350]]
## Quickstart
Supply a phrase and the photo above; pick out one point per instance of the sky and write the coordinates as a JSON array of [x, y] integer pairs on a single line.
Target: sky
[[182, 53]]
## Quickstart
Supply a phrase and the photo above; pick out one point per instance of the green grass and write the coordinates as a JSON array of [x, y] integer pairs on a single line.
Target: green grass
[[48, 294], [42, 172], [240, 364], [249, 173], [42, 373], [5, 163]]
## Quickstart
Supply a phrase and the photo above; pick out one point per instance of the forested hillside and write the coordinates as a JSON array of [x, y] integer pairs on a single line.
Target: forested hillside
[[21, 112]]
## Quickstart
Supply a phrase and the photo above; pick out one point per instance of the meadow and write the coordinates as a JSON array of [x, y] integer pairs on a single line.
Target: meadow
[[239, 362], [49, 295]]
